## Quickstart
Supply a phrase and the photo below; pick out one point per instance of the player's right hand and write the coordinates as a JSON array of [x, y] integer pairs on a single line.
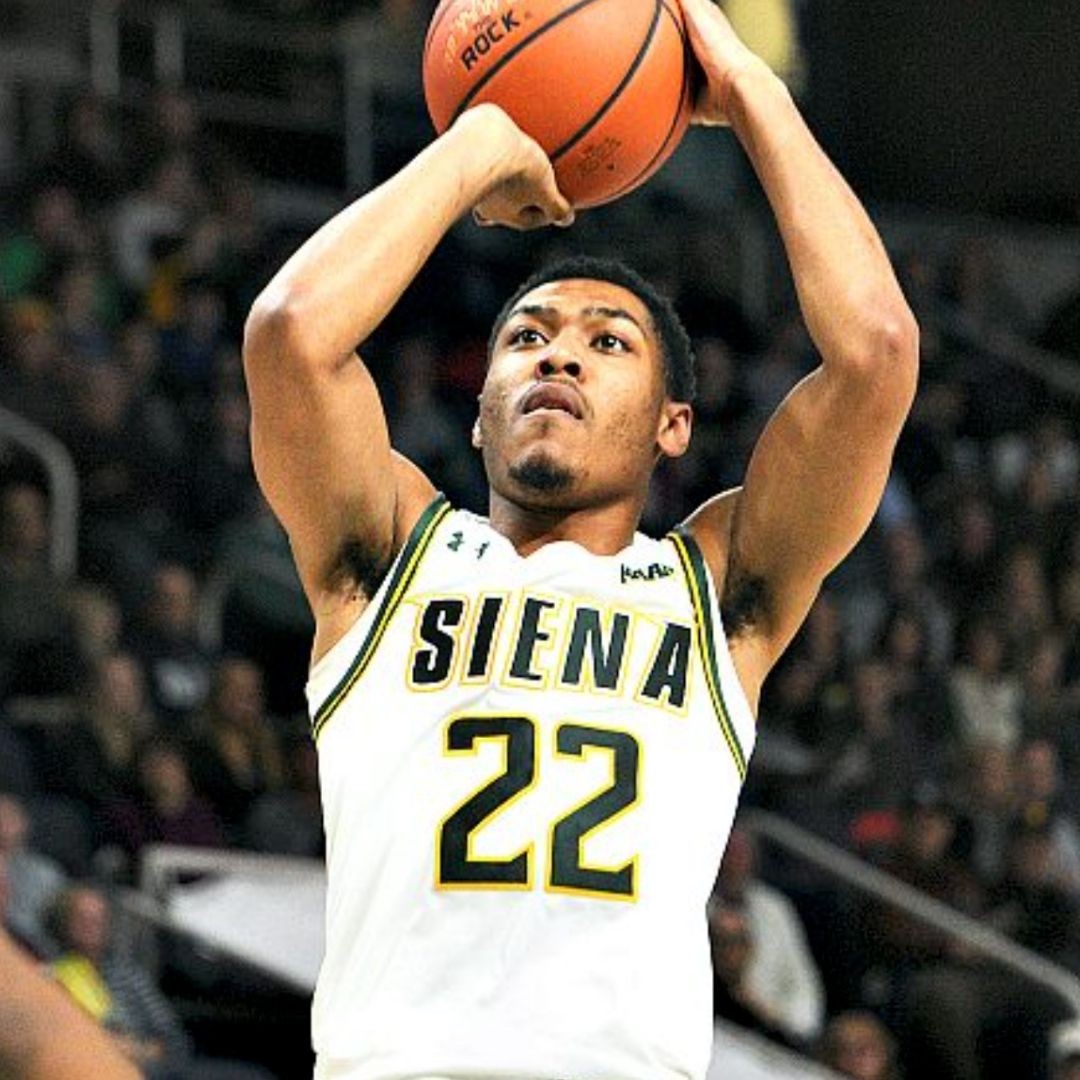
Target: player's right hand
[[524, 194]]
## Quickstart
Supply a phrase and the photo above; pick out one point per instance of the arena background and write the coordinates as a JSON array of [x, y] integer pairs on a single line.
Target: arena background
[[157, 164]]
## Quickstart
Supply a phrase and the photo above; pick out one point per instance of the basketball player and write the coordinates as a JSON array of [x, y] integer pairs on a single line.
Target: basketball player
[[533, 727]]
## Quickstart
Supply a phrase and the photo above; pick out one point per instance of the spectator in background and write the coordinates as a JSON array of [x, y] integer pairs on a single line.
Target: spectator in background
[[32, 880], [32, 617], [1048, 708], [987, 786], [138, 354], [31, 374], [858, 1045], [1024, 597], [43, 1036], [1032, 903], [125, 482], [150, 222], [970, 567], [1040, 801], [781, 974], [94, 760], [177, 667], [89, 160], [805, 698], [425, 430], [96, 624], [987, 697], [221, 484], [921, 692], [164, 809], [733, 999], [192, 342], [1042, 505], [289, 822], [908, 584], [925, 856], [56, 232], [122, 997], [87, 309], [236, 755], [29, 945], [879, 755]]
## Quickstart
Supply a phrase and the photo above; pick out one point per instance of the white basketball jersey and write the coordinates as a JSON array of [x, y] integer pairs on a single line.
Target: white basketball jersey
[[529, 768]]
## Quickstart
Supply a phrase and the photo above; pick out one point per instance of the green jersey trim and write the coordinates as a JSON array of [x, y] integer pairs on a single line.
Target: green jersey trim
[[402, 575], [697, 581]]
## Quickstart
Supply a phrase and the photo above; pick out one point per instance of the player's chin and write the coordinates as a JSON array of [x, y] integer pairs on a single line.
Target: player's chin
[[543, 476]]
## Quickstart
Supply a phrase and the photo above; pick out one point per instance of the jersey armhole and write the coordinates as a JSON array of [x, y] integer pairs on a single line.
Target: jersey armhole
[[712, 648], [372, 624]]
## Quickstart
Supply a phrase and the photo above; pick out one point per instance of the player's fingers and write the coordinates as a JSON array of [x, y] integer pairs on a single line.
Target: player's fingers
[[556, 205], [531, 217]]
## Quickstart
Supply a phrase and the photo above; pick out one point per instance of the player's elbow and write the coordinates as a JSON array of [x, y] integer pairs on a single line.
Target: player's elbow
[[886, 363], [276, 328]]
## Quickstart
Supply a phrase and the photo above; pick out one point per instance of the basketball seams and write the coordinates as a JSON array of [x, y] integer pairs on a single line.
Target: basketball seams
[[479, 85], [684, 94], [616, 93]]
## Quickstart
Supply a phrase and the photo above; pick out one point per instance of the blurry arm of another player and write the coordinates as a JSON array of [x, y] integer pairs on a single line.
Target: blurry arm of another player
[[818, 472], [319, 436], [43, 1036]]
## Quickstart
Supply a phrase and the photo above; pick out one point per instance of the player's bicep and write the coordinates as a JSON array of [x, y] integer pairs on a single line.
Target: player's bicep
[[322, 457], [814, 482]]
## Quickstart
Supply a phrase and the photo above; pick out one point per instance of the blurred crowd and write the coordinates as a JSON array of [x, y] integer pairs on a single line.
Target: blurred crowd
[[926, 718]]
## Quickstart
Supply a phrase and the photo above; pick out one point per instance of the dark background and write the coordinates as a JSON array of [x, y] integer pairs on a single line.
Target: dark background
[[968, 104]]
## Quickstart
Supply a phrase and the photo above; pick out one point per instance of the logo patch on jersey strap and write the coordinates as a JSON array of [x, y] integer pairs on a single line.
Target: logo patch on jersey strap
[[652, 572]]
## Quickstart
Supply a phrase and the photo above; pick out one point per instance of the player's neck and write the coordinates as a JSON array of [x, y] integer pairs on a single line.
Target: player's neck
[[602, 530]]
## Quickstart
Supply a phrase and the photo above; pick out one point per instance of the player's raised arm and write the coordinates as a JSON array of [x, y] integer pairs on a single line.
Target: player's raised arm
[[320, 443], [819, 469]]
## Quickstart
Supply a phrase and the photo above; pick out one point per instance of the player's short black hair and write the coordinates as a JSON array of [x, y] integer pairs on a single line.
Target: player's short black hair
[[678, 354]]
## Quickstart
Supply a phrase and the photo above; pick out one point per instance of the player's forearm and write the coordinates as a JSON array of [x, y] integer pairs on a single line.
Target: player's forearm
[[851, 301], [337, 288]]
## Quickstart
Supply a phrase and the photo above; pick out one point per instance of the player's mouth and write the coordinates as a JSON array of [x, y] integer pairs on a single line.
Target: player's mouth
[[553, 397]]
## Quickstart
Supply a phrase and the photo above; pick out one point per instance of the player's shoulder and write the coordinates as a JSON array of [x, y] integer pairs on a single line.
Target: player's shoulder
[[710, 527]]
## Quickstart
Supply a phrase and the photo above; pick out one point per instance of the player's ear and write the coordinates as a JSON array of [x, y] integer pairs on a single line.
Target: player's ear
[[673, 431], [477, 441]]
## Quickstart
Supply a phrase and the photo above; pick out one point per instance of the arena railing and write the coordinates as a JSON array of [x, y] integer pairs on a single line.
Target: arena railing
[[63, 487], [802, 845]]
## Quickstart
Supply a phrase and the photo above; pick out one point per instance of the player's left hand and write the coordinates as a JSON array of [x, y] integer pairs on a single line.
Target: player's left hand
[[722, 56]]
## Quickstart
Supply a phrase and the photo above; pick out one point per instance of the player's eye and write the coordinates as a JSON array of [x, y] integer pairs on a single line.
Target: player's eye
[[608, 342], [525, 335]]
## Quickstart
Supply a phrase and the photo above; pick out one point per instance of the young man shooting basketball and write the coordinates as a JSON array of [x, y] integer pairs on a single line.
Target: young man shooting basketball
[[533, 728]]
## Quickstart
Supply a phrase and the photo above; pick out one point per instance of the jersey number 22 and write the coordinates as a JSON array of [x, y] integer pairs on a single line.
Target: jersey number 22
[[457, 867]]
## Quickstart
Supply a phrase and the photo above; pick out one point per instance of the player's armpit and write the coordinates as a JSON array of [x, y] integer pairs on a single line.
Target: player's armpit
[[814, 482]]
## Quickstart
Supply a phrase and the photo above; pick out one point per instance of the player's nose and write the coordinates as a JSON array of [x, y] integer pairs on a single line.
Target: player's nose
[[558, 362]]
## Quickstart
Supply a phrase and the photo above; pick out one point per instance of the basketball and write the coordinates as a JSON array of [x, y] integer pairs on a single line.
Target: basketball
[[602, 85]]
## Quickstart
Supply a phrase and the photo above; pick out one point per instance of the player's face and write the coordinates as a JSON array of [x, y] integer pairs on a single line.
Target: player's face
[[573, 410]]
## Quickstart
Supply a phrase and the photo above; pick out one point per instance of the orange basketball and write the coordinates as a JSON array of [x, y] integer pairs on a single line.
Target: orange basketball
[[602, 85]]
